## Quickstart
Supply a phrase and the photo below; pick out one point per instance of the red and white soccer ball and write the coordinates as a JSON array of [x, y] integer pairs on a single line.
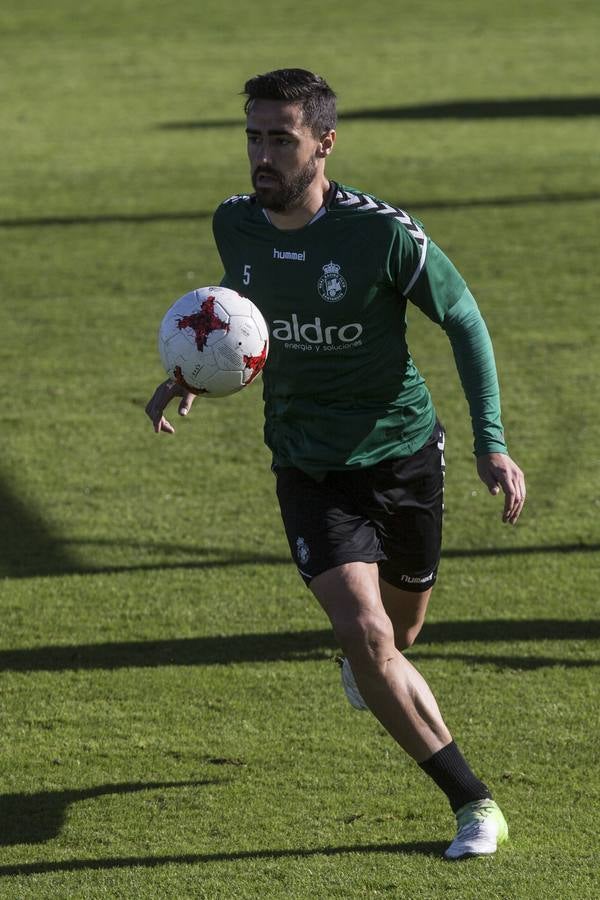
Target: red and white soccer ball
[[213, 341]]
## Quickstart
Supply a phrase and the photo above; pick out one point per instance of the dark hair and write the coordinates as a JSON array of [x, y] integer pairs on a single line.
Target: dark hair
[[296, 86]]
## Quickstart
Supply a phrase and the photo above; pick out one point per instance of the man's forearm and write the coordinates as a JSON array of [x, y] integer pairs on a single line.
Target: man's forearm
[[474, 356]]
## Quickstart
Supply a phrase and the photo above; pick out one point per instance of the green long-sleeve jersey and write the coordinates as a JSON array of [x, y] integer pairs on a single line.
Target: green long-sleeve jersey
[[340, 387]]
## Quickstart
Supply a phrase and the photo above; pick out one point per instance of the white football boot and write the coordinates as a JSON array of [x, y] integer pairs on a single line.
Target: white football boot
[[481, 827], [351, 690]]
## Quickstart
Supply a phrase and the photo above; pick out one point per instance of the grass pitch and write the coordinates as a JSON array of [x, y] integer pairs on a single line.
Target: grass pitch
[[172, 722]]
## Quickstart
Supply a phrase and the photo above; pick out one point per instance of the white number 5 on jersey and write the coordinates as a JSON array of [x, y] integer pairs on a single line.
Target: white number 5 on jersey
[[246, 277]]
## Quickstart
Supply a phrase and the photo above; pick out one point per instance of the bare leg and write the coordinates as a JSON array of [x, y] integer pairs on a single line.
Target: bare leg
[[393, 689], [406, 610]]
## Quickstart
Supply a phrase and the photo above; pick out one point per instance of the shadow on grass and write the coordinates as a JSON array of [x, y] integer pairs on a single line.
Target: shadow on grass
[[517, 108], [27, 543], [37, 818], [486, 109], [533, 550], [504, 663], [30, 549], [26, 566], [493, 108], [422, 848], [116, 218], [302, 646]]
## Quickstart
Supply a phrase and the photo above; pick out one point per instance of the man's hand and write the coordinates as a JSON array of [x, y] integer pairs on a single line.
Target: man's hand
[[499, 472], [161, 397]]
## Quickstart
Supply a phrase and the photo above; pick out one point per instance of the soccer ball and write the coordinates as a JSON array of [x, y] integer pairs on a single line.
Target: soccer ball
[[213, 341]]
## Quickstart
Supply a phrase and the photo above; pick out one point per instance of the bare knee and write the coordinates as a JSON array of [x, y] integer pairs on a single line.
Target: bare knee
[[405, 637], [367, 641], [351, 597]]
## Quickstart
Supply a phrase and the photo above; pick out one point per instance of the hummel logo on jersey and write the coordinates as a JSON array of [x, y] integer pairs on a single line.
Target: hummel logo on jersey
[[296, 255]]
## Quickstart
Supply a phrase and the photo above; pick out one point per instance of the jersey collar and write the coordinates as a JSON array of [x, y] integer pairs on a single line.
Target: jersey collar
[[329, 198]]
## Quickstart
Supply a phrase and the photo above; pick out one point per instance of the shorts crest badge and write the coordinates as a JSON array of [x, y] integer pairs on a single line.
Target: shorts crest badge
[[331, 285], [302, 551]]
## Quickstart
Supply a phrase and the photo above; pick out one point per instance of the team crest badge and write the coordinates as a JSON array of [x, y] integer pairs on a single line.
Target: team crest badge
[[331, 285]]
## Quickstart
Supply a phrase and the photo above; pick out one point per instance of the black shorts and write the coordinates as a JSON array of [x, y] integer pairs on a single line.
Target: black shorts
[[389, 513]]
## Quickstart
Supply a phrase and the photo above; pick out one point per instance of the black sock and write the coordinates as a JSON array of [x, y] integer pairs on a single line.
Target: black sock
[[451, 772]]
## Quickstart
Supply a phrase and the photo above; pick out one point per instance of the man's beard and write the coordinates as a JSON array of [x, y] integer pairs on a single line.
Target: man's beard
[[283, 196]]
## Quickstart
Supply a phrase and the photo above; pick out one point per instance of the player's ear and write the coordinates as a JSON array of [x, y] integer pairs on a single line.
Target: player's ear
[[326, 144]]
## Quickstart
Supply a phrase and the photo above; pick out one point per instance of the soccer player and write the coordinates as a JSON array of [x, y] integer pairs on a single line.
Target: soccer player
[[357, 448]]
